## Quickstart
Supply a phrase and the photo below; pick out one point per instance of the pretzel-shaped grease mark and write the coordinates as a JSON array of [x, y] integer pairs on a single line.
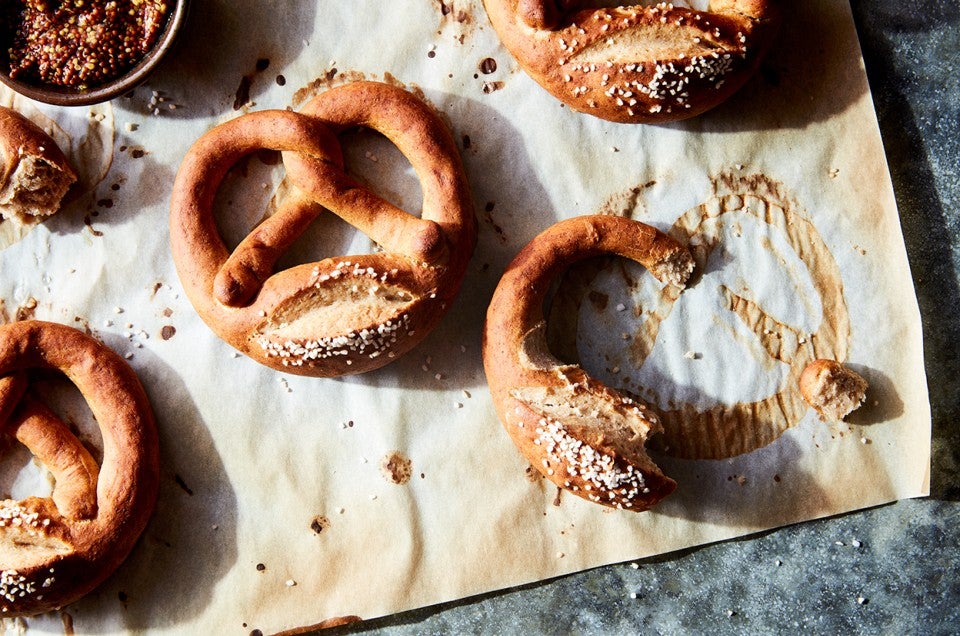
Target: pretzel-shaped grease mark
[[582, 435], [340, 315], [54, 550], [725, 430], [637, 64]]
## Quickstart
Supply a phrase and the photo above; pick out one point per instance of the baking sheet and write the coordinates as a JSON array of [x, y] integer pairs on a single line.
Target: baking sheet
[[278, 507]]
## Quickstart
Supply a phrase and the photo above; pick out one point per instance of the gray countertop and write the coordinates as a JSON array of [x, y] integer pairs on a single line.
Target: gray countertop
[[893, 569]]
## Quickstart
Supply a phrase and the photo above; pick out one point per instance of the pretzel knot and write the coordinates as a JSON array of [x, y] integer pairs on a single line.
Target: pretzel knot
[[340, 315], [637, 63], [580, 434], [53, 550]]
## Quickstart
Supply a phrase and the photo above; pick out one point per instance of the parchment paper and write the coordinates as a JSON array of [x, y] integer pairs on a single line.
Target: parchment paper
[[275, 510]]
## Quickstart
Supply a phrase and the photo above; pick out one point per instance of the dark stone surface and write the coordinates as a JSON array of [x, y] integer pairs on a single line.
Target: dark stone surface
[[893, 569]]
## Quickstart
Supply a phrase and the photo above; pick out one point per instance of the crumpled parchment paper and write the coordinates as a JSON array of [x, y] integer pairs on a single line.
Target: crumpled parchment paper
[[287, 501]]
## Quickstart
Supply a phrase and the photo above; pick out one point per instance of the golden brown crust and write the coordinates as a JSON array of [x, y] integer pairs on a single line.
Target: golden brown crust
[[637, 64], [579, 433], [341, 315], [832, 389], [54, 550], [34, 173], [50, 440]]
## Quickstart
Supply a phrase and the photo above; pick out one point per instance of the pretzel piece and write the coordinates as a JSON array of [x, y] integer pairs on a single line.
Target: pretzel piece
[[54, 550], [34, 173], [74, 469], [832, 389], [341, 315], [580, 434], [637, 63]]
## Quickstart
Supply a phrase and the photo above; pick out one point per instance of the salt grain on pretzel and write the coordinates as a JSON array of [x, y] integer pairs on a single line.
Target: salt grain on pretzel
[[636, 63], [54, 550], [582, 435], [342, 315]]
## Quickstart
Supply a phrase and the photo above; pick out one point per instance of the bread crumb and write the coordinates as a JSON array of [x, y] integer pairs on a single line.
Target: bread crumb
[[833, 390]]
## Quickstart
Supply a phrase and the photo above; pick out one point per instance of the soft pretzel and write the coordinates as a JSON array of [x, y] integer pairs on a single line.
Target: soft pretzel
[[34, 173], [637, 63], [341, 315], [54, 550], [832, 389], [582, 435]]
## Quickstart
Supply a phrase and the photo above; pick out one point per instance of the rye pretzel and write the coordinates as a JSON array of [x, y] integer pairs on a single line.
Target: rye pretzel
[[582, 435], [342, 315], [34, 173], [54, 550], [636, 63]]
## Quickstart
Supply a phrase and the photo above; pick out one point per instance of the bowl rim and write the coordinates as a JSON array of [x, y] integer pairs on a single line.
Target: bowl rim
[[63, 96]]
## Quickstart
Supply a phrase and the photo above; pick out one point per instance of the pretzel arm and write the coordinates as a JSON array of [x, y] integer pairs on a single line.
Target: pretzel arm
[[11, 390], [387, 225], [51, 441], [253, 260]]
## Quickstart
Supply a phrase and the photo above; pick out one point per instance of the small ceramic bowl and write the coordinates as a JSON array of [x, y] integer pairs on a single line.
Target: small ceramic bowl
[[66, 96]]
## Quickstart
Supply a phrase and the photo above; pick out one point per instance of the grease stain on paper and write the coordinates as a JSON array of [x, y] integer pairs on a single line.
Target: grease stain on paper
[[319, 523], [724, 429], [396, 468]]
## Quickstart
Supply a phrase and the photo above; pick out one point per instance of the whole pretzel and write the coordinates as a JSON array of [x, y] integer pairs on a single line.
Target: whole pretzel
[[582, 435], [636, 63], [53, 550], [341, 315]]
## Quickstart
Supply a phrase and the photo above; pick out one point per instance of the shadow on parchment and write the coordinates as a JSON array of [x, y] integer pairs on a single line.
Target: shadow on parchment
[[898, 79], [202, 64], [190, 541]]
